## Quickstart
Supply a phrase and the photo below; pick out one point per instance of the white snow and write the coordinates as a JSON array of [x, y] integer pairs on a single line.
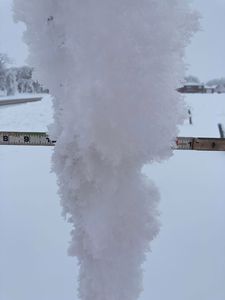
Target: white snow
[[33, 116], [112, 67], [188, 252], [33, 234], [187, 259]]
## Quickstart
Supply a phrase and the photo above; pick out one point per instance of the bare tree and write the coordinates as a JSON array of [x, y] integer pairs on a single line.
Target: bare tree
[[4, 60]]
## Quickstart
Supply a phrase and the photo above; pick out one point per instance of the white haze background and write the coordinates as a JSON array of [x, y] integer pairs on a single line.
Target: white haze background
[[113, 68], [45, 246]]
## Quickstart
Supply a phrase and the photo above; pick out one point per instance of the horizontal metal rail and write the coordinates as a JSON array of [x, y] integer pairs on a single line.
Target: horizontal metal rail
[[42, 139], [13, 101]]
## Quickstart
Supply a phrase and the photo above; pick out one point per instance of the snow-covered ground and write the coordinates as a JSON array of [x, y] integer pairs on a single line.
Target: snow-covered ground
[[188, 258], [34, 237], [185, 262]]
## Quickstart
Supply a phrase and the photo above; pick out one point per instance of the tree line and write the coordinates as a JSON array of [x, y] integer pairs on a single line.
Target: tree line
[[15, 80]]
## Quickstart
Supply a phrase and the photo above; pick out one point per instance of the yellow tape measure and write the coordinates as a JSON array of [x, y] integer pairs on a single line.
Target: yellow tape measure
[[42, 139], [200, 144], [25, 138]]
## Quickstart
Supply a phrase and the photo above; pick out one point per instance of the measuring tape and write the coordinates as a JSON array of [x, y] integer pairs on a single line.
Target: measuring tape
[[42, 139], [25, 138], [201, 144]]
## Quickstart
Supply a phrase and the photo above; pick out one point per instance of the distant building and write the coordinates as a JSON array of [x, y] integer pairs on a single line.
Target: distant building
[[195, 89], [220, 89]]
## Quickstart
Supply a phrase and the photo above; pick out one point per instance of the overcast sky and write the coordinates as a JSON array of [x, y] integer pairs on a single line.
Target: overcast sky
[[204, 56], [11, 34]]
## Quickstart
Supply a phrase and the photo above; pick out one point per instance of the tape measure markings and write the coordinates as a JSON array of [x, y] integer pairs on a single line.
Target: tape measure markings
[[25, 138], [42, 139]]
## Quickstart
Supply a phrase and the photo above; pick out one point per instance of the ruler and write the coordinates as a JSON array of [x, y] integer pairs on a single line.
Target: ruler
[[25, 138], [42, 139], [200, 144]]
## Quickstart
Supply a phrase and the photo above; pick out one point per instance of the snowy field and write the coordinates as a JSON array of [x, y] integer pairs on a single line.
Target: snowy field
[[185, 262]]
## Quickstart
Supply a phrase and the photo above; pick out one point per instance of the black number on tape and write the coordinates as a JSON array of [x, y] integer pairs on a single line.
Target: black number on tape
[[26, 139], [5, 138]]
